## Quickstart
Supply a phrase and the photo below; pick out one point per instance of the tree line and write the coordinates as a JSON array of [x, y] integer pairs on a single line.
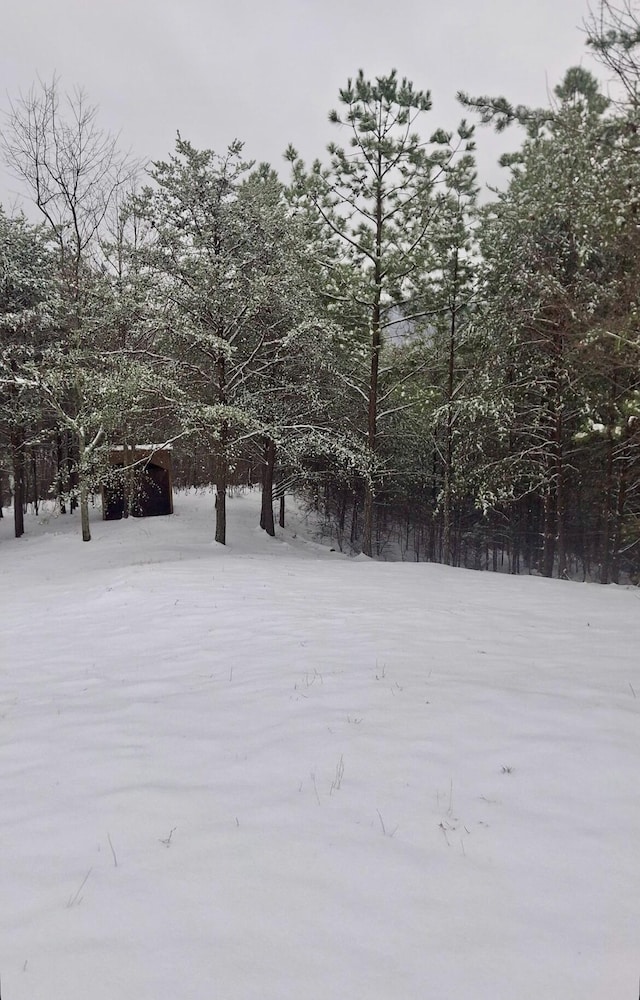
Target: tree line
[[441, 379]]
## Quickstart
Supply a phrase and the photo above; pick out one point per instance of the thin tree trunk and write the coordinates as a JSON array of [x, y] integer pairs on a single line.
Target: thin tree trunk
[[73, 475], [62, 473], [222, 464], [266, 515], [17, 455], [281, 513], [605, 557], [374, 374], [448, 467], [446, 511], [222, 481], [84, 509], [221, 504], [560, 500], [342, 517], [367, 519], [354, 520], [34, 481], [127, 483], [83, 488], [515, 532], [619, 518], [549, 549]]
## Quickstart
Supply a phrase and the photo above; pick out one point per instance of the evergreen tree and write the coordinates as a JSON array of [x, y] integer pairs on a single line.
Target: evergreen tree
[[28, 308], [230, 263], [376, 200], [553, 251], [449, 292]]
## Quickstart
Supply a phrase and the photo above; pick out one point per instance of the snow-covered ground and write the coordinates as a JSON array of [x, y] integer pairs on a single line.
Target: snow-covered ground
[[270, 772]]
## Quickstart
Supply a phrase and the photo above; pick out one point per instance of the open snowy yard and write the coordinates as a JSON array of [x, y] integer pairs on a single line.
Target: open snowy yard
[[270, 772]]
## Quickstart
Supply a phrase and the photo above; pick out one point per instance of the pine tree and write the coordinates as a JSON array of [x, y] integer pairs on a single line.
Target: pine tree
[[28, 307], [230, 265], [376, 201], [554, 255], [448, 292]]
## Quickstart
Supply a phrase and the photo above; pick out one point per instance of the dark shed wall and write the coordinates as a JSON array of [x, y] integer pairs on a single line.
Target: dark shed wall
[[150, 484]]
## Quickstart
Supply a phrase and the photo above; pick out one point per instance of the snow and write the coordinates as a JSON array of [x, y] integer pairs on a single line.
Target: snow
[[270, 772]]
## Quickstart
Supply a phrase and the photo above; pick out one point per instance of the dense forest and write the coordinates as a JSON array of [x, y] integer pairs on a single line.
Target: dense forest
[[441, 377]]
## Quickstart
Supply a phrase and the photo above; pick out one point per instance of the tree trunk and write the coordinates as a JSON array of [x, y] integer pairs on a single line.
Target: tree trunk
[[281, 513], [549, 549], [84, 509], [607, 511], [222, 479], [73, 471], [127, 479], [560, 498], [61, 476], [448, 466], [221, 506], [222, 465], [342, 516], [34, 481], [266, 515], [516, 540], [83, 488], [367, 519], [374, 373], [623, 477], [354, 520], [446, 514], [17, 455]]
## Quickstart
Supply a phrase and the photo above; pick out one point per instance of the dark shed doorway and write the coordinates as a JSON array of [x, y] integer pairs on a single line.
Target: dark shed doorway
[[140, 485]]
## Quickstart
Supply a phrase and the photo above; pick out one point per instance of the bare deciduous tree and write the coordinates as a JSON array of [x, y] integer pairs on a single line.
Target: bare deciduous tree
[[72, 169]]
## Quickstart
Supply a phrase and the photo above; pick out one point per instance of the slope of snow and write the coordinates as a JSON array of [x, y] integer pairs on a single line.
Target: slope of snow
[[270, 772]]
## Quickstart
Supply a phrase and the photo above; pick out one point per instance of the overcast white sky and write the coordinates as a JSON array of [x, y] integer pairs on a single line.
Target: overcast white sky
[[268, 71]]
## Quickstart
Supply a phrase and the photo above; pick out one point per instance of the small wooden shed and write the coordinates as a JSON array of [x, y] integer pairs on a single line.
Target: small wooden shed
[[140, 483]]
